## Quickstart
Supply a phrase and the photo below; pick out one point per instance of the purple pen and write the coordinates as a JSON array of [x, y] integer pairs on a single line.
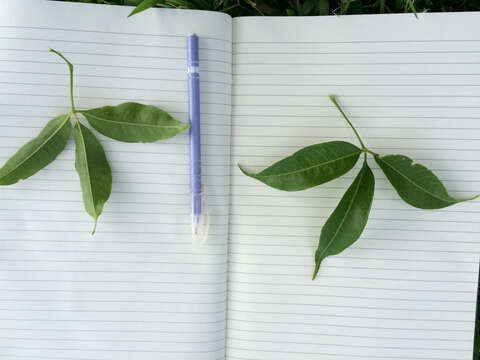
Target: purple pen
[[194, 120]]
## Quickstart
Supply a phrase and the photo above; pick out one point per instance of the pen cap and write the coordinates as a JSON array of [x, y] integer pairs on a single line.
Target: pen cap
[[192, 50], [201, 229]]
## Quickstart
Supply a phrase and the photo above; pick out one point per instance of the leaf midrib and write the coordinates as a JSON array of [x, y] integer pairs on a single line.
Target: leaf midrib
[[346, 213], [132, 124], [88, 170], [310, 167], [415, 184], [67, 117]]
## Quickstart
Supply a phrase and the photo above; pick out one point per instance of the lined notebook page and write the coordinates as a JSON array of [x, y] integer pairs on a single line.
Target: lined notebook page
[[407, 288], [137, 289]]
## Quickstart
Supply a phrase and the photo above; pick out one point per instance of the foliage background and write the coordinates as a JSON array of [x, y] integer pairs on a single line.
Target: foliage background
[[318, 7], [308, 7]]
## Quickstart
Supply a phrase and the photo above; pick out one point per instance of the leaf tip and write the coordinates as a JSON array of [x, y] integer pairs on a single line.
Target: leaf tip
[[95, 227], [244, 171], [315, 271]]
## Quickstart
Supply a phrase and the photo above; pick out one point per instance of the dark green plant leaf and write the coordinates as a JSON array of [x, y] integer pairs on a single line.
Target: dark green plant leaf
[[144, 5], [410, 6], [346, 223], [93, 169], [310, 166], [308, 7], [323, 7], [133, 122], [38, 152], [415, 184]]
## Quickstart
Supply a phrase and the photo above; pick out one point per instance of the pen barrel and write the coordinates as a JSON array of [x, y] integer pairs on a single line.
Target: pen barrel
[[194, 120], [195, 144]]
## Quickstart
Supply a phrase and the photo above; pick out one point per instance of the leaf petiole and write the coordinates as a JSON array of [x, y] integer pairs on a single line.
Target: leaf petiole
[[371, 152], [70, 69], [332, 98], [364, 148]]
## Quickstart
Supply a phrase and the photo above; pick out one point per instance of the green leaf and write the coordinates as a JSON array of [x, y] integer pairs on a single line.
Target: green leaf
[[346, 223], [310, 166], [323, 7], [415, 184], [38, 152], [144, 5], [308, 7], [133, 122], [94, 171]]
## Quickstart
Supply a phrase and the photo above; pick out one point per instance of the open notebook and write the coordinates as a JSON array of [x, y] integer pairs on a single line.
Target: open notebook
[[138, 289]]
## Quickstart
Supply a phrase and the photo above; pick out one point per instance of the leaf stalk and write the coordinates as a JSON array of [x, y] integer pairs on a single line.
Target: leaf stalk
[[332, 98], [70, 69]]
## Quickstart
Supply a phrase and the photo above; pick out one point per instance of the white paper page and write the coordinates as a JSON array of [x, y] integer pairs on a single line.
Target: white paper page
[[137, 289], [407, 288]]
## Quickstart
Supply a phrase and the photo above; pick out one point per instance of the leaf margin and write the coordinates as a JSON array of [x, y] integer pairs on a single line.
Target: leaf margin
[[358, 179], [355, 155], [144, 5], [93, 207], [448, 200], [94, 120], [64, 123]]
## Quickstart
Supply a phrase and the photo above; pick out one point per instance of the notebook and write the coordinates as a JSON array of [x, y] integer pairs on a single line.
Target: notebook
[[138, 289]]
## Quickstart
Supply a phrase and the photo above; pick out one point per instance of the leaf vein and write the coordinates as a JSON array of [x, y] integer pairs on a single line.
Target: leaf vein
[[415, 184], [67, 117], [346, 213], [131, 123], [310, 167], [87, 169]]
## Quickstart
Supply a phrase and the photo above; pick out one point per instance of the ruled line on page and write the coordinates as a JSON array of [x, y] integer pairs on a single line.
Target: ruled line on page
[[110, 66], [408, 41], [340, 296], [113, 350], [346, 326], [304, 53], [352, 336], [121, 291], [112, 340], [336, 354], [107, 98], [65, 85], [347, 345], [109, 32], [65, 358], [110, 43], [107, 54], [350, 74], [112, 330]]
